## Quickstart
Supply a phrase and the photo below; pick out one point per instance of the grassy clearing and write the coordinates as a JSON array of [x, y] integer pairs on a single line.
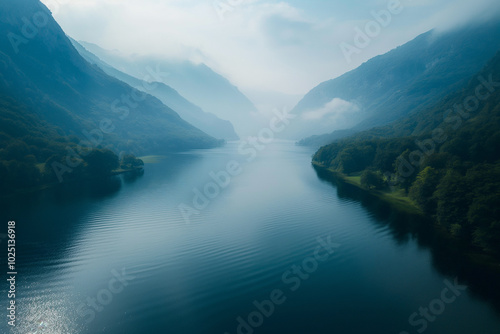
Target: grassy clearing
[[397, 198], [353, 179]]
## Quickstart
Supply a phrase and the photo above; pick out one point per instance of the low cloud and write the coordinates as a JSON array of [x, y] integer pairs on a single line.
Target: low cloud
[[286, 45], [334, 110]]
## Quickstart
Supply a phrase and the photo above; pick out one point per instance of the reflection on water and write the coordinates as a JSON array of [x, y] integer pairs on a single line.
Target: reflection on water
[[204, 276], [448, 257]]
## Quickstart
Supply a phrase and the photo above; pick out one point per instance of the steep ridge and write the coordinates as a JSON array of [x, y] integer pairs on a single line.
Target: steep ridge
[[41, 68], [207, 122], [388, 87], [198, 83]]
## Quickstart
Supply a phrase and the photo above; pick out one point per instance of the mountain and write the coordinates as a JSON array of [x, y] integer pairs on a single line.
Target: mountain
[[41, 68], [207, 122], [446, 158], [25, 141], [317, 141], [198, 83], [475, 106], [397, 83]]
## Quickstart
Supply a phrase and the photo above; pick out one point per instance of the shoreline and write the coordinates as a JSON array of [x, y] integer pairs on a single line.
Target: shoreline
[[45, 186], [397, 202], [407, 206]]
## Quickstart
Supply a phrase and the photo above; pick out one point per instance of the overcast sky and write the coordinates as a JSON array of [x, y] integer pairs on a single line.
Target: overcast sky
[[285, 46]]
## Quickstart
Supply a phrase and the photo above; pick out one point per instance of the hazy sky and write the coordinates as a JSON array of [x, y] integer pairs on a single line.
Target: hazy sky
[[285, 46]]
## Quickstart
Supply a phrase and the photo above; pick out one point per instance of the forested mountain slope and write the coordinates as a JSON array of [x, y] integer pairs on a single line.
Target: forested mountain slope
[[388, 87], [447, 158]]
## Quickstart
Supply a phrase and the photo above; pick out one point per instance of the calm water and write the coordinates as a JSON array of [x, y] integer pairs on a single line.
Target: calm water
[[120, 257]]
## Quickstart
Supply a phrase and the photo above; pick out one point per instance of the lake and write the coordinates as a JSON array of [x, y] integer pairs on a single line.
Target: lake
[[208, 242]]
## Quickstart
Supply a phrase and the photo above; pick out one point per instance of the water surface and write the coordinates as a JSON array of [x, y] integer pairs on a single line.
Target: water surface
[[208, 274]]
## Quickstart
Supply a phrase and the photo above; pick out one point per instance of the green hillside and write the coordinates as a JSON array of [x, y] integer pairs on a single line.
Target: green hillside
[[446, 159], [58, 110], [394, 85]]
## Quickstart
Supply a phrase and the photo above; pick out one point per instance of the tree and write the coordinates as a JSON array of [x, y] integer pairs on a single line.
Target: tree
[[404, 170], [22, 174], [372, 180], [453, 200], [129, 161], [100, 163], [355, 157], [484, 211], [422, 190]]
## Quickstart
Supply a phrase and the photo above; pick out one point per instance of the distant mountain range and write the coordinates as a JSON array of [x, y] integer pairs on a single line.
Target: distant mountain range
[[42, 69], [198, 83], [395, 84], [207, 122]]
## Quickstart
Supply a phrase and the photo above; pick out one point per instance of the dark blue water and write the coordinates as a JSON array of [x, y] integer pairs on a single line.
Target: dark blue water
[[274, 249]]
